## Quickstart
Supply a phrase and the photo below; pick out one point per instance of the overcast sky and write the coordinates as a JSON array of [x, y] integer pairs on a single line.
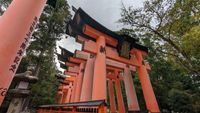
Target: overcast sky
[[106, 12]]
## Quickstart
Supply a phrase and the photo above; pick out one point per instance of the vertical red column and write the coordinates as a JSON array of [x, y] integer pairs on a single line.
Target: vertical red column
[[120, 100], [61, 97], [16, 27], [79, 83], [147, 89], [65, 92], [74, 89], [69, 93], [99, 80], [111, 96], [86, 93], [130, 91]]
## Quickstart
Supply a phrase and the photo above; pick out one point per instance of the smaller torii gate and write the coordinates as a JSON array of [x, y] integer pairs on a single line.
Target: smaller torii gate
[[65, 88]]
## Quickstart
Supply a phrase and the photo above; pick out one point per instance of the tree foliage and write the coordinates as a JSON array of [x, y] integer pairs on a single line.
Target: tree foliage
[[40, 53], [170, 28], [3, 5], [166, 22]]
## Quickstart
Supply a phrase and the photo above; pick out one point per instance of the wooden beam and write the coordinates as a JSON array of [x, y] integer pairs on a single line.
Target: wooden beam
[[111, 53], [109, 62], [73, 69], [81, 39], [70, 73], [90, 31], [71, 64], [76, 60]]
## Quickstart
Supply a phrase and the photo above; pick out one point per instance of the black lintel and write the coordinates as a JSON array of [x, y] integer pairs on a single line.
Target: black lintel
[[65, 52], [59, 76], [62, 58], [63, 66]]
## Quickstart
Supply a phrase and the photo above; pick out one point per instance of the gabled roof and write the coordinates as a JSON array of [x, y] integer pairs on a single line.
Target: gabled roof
[[81, 18]]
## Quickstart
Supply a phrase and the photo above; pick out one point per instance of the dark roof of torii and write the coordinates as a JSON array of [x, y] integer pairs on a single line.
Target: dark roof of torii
[[78, 104], [81, 18], [65, 54]]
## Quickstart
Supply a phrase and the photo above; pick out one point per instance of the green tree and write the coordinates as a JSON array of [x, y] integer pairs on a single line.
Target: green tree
[[175, 92], [40, 53], [3, 5], [166, 22], [170, 28]]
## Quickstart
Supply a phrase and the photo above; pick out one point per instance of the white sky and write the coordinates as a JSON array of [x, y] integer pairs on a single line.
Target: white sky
[[106, 12]]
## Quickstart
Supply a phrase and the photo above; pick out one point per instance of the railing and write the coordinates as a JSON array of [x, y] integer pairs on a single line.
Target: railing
[[98, 106]]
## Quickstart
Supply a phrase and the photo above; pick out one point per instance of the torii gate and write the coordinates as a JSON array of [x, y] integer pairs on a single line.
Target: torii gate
[[112, 53], [114, 65], [75, 65], [107, 44], [65, 88], [131, 96]]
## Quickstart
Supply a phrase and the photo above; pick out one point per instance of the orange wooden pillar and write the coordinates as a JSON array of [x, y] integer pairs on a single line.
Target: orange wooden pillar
[[72, 85], [65, 92], [69, 93], [147, 89], [120, 100], [111, 96], [79, 83], [99, 79], [130, 91], [86, 93], [74, 90], [102, 109], [73, 71], [16, 27], [60, 94]]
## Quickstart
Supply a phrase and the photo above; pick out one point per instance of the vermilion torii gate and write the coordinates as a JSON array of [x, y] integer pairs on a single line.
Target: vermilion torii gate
[[106, 57], [107, 48], [105, 60], [105, 44]]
